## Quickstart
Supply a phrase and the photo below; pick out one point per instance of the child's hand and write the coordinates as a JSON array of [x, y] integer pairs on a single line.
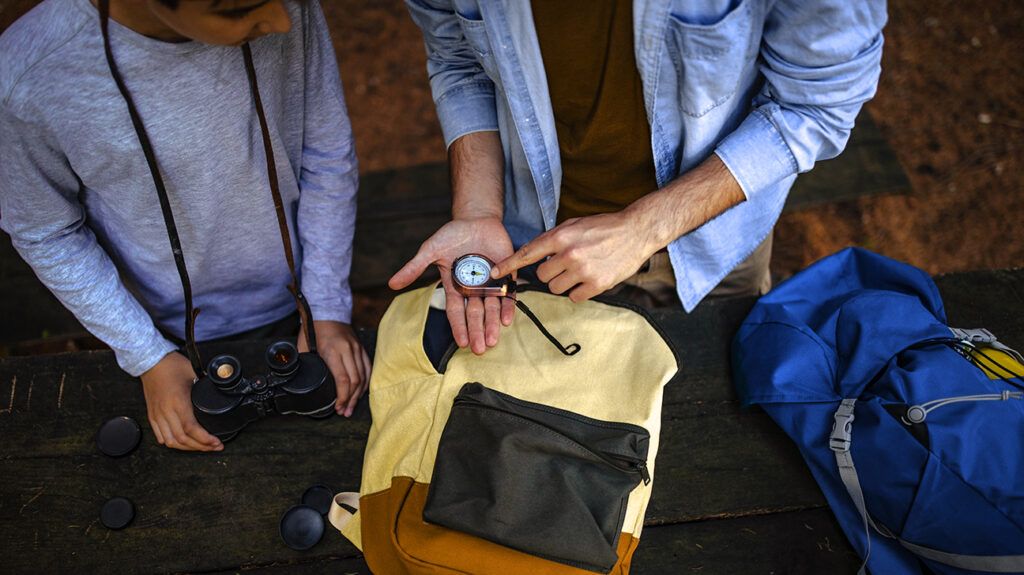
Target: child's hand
[[337, 344], [168, 390]]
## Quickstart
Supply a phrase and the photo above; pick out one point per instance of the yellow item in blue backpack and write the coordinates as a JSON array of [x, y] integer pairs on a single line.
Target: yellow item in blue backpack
[[996, 363]]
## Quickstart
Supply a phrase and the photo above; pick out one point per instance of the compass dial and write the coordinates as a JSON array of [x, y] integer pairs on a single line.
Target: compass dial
[[473, 271]]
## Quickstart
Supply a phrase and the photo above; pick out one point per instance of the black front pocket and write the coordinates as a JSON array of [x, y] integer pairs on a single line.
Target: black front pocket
[[545, 481]]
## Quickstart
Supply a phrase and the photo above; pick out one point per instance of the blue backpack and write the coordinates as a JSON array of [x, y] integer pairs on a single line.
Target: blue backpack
[[914, 431]]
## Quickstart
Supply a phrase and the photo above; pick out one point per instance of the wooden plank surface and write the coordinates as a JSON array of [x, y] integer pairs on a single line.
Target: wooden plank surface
[[806, 541], [720, 470], [29, 310], [867, 167], [195, 512], [799, 542]]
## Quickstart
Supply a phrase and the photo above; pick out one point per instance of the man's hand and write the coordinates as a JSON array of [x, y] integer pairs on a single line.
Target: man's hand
[[588, 255], [168, 390], [593, 254], [337, 344], [477, 165], [475, 322]]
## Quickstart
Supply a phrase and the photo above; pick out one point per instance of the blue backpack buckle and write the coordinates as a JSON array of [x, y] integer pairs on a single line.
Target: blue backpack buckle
[[842, 427]]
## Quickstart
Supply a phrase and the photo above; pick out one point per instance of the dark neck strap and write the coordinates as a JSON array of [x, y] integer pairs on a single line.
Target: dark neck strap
[[275, 191], [165, 205]]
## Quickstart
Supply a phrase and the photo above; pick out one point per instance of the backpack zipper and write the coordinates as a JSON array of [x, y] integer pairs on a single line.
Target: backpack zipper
[[634, 464], [639, 430]]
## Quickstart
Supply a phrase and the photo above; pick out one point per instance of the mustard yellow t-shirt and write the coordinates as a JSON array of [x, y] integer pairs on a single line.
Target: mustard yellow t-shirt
[[603, 133]]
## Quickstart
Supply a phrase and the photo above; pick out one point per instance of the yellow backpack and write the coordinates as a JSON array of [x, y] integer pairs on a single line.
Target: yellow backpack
[[521, 460]]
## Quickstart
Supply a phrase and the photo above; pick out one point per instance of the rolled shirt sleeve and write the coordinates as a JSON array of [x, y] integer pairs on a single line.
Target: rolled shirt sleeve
[[463, 93], [821, 61]]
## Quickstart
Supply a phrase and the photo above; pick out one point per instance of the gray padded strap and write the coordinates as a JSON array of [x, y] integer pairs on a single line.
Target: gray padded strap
[[839, 442], [987, 563]]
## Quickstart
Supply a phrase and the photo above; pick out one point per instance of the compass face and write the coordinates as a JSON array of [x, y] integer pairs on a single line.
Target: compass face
[[472, 271]]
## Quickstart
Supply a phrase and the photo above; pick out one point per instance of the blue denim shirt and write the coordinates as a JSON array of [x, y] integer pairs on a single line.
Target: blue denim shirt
[[770, 86]]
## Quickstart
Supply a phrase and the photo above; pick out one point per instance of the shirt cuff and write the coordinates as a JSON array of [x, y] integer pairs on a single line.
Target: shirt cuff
[[756, 154], [332, 312], [140, 360], [329, 314], [466, 109]]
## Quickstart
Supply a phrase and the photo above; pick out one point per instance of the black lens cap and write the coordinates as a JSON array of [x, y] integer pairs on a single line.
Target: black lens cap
[[119, 436], [302, 527], [117, 513], [319, 497]]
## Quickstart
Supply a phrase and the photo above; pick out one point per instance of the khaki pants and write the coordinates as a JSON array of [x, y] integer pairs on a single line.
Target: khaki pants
[[655, 284]]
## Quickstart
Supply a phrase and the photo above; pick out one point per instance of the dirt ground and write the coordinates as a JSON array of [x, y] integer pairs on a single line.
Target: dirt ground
[[950, 102]]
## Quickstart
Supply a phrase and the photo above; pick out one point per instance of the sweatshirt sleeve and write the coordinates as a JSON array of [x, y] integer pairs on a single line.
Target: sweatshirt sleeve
[[40, 210], [328, 180]]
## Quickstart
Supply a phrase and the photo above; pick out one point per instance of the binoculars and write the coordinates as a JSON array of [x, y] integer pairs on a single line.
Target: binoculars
[[298, 383]]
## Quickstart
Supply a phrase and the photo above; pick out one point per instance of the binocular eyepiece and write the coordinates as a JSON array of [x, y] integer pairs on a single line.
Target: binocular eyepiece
[[282, 358], [225, 371]]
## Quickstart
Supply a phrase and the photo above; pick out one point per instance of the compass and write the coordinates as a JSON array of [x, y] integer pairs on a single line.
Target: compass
[[471, 275]]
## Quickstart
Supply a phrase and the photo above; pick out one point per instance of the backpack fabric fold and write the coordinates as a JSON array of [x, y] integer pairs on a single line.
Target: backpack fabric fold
[[911, 433]]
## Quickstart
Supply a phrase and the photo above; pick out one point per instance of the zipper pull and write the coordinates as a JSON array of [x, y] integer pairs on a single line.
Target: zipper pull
[[918, 413], [641, 466]]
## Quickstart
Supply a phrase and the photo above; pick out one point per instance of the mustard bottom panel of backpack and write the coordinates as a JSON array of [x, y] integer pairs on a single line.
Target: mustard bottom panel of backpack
[[392, 523]]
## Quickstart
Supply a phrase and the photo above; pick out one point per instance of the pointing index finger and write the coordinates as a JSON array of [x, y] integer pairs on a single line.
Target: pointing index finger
[[530, 253]]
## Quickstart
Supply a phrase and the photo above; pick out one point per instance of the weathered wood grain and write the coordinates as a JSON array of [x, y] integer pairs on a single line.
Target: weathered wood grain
[[223, 508], [319, 566], [989, 299], [807, 542], [797, 543], [219, 512], [867, 167]]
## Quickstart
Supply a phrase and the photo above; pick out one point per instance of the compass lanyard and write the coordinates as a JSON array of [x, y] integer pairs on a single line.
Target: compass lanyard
[[165, 205], [570, 349]]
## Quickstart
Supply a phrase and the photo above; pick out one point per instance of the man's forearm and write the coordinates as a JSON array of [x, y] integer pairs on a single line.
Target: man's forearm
[[477, 165], [686, 203]]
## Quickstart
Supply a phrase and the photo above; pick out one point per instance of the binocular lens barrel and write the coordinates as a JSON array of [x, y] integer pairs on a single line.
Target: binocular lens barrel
[[224, 371], [282, 358]]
